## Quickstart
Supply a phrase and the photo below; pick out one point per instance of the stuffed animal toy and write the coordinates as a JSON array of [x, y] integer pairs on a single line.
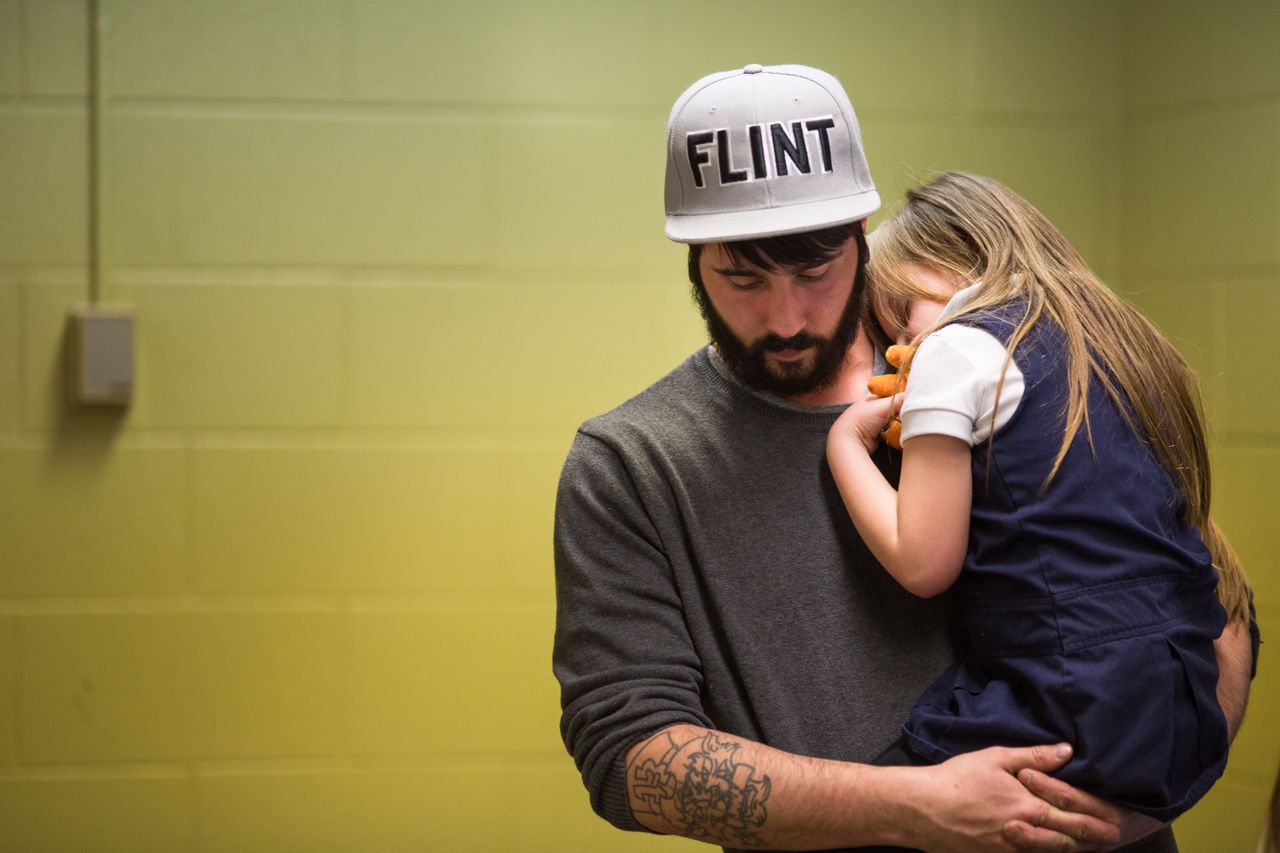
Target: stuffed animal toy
[[888, 384]]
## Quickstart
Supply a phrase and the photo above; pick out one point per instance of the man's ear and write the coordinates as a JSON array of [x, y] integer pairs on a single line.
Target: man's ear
[[862, 223]]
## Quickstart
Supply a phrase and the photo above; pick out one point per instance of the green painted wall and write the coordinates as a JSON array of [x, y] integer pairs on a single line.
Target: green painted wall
[[1201, 254], [385, 256]]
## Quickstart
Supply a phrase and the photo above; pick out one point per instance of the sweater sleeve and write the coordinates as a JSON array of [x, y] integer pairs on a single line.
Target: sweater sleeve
[[623, 656]]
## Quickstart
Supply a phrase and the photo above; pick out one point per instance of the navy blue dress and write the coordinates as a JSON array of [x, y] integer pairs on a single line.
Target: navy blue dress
[[1090, 608]]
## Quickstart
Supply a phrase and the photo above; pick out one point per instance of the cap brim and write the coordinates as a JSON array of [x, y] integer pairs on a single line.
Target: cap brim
[[771, 222]]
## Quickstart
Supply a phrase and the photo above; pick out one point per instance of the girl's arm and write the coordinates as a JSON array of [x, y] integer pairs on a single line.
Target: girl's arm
[[919, 532]]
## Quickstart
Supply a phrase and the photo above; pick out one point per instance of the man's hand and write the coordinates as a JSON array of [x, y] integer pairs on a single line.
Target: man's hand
[[1069, 800], [974, 802]]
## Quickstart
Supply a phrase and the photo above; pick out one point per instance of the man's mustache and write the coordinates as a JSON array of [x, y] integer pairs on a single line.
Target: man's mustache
[[774, 343]]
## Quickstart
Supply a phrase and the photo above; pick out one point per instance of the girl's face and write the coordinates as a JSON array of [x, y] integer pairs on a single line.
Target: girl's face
[[903, 320]]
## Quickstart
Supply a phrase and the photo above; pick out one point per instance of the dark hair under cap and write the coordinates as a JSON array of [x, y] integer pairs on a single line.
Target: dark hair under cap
[[808, 248]]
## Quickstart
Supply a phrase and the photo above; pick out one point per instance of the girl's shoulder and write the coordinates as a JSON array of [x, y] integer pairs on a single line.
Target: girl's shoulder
[[1005, 315], [1004, 319]]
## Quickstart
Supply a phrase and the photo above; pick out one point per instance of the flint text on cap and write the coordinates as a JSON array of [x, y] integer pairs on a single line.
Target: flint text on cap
[[783, 143]]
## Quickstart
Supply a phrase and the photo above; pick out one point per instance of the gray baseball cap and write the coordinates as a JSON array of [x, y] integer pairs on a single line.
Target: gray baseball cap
[[764, 151]]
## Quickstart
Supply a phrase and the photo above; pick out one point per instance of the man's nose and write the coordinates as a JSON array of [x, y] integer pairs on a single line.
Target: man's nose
[[786, 310]]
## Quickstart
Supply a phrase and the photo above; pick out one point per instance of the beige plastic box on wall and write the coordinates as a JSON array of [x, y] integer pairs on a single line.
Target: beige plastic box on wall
[[100, 355]]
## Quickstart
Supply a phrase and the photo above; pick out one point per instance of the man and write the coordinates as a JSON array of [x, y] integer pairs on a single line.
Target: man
[[730, 654]]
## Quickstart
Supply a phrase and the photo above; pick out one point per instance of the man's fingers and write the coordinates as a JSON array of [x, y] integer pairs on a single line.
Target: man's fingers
[[1084, 820], [1024, 836], [1067, 819], [1052, 829], [1068, 799], [1042, 758]]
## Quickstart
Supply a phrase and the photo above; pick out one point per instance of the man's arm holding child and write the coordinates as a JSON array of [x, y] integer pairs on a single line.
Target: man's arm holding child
[[699, 783], [1235, 665]]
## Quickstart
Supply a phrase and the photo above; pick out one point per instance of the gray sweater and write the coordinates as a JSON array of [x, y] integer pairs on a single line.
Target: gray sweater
[[707, 573]]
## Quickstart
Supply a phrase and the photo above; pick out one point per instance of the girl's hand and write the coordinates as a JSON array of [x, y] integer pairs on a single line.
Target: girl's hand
[[864, 420]]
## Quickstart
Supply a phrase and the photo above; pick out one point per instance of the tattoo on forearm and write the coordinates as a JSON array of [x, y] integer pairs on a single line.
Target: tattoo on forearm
[[700, 789]]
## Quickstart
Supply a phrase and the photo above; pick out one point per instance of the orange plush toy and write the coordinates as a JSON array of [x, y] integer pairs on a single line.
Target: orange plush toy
[[888, 384]]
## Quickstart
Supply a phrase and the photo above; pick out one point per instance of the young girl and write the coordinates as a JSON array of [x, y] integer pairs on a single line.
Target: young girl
[[1054, 468]]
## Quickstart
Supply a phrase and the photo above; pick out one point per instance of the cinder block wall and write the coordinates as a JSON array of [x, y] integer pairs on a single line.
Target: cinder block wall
[[1201, 254], [385, 255]]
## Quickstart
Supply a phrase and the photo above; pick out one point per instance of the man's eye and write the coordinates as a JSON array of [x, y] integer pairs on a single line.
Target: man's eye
[[813, 275], [744, 283]]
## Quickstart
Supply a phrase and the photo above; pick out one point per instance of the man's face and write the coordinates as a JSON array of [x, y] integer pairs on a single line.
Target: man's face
[[784, 330]]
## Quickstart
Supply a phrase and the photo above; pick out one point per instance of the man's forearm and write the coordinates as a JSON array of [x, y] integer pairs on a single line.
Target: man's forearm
[[703, 784], [714, 787], [1235, 660]]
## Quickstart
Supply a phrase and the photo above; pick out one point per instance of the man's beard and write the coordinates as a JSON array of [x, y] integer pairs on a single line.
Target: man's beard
[[749, 362]]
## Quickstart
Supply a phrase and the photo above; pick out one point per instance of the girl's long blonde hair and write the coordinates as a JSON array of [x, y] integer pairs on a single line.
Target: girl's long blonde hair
[[977, 229]]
